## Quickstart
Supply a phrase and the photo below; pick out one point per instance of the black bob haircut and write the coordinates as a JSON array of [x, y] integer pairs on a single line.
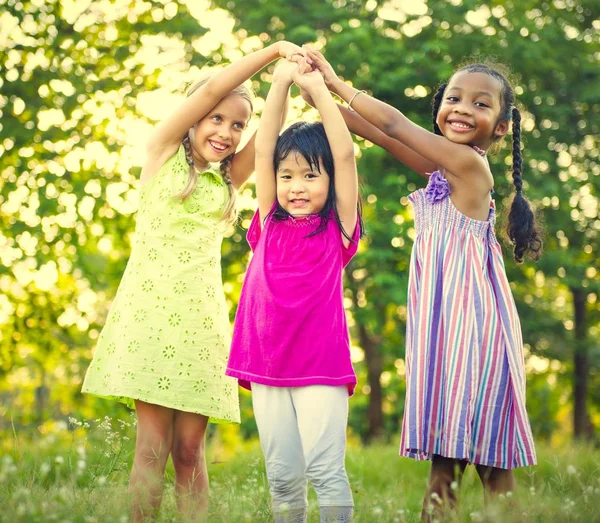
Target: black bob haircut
[[310, 141]]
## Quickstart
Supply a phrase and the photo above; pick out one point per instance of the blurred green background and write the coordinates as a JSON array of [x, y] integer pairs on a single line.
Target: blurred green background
[[82, 83]]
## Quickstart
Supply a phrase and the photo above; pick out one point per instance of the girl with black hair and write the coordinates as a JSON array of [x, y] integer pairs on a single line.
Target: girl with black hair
[[465, 394], [290, 341]]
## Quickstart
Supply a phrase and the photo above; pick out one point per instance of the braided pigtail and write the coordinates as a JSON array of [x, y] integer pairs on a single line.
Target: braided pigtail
[[230, 212], [435, 106], [522, 228], [192, 180]]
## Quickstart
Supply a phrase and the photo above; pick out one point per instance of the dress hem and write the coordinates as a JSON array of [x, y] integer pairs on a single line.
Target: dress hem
[[245, 380], [423, 455], [128, 400]]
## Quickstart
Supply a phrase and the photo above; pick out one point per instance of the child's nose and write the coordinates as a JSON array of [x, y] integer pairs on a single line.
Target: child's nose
[[224, 133], [462, 109]]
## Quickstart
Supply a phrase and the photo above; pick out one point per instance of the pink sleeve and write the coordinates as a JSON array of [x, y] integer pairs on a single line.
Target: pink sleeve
[[253, 234], [349, 252]]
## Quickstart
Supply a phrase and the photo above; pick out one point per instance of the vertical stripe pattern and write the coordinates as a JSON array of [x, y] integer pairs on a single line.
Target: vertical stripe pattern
[[465, 393]]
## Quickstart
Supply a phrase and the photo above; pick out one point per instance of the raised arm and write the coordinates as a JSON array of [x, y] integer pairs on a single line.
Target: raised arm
[[361, 127], [456, 158], [342, 147], [243, 164], [404, 154], [267, 135], [168, 134]]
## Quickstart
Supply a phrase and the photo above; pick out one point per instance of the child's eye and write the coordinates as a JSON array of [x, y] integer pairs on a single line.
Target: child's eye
[[285, 177], [311, 175], [217, 118], [452, 98], [481, 104], [239, 126]]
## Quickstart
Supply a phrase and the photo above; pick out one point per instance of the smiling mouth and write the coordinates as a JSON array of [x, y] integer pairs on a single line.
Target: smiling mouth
[[218, 146], [460, 126], [298, 202]]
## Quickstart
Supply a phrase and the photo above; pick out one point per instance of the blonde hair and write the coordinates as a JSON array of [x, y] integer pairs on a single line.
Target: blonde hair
[[229, 215]]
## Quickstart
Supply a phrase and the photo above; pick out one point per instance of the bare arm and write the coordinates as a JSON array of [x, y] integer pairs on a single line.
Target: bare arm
[[404, 154], [342, 148], [243, 164], [267, 135], [455, 158], [361, 127]]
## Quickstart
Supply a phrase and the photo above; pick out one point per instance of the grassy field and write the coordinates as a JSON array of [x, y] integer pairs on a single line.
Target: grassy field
[[80, 473]]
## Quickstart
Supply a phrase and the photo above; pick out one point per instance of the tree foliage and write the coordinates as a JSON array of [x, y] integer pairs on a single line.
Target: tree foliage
[[79, 88]]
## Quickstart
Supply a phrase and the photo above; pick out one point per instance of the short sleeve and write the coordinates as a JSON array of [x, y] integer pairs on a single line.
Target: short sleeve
[[254, 231], [253, 234], [349, 252]]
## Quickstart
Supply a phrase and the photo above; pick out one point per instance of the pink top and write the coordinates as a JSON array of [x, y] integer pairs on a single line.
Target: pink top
[[290, 327]]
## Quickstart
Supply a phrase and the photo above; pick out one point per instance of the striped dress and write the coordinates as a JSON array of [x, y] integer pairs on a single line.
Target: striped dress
[[465, 392]]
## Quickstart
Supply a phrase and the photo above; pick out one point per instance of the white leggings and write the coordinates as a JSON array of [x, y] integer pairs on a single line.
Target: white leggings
[[303, 436]]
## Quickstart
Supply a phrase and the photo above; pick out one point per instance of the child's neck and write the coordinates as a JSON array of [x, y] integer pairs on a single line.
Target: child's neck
[[200, 164], [479, 150]]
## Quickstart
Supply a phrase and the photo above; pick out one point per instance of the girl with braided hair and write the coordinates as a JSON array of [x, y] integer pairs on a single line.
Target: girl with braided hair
[[164, 347], [465, 394]]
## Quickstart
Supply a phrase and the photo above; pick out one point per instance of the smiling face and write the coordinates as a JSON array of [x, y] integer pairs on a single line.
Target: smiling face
[[301, 190], [218, 134], [470, 109]]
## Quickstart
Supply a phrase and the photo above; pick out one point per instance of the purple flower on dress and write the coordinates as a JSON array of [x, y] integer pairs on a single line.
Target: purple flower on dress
[[438, 187]]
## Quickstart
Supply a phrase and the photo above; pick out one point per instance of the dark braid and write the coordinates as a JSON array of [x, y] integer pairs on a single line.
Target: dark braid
[[435, 106], [516, 150], [521, 229]]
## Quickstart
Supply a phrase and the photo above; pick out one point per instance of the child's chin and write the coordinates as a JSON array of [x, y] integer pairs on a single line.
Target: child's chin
[[298, 211]]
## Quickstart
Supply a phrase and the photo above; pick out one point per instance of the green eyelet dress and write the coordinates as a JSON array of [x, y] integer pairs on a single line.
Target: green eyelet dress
[[167, 336]]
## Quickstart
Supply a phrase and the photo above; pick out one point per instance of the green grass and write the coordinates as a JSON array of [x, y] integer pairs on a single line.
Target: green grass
[[81, 476]]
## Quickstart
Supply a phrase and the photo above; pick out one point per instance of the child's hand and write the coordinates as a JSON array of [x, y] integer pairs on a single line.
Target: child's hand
[[283, 71], [307, 79], [290, 51], [318, 61]]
